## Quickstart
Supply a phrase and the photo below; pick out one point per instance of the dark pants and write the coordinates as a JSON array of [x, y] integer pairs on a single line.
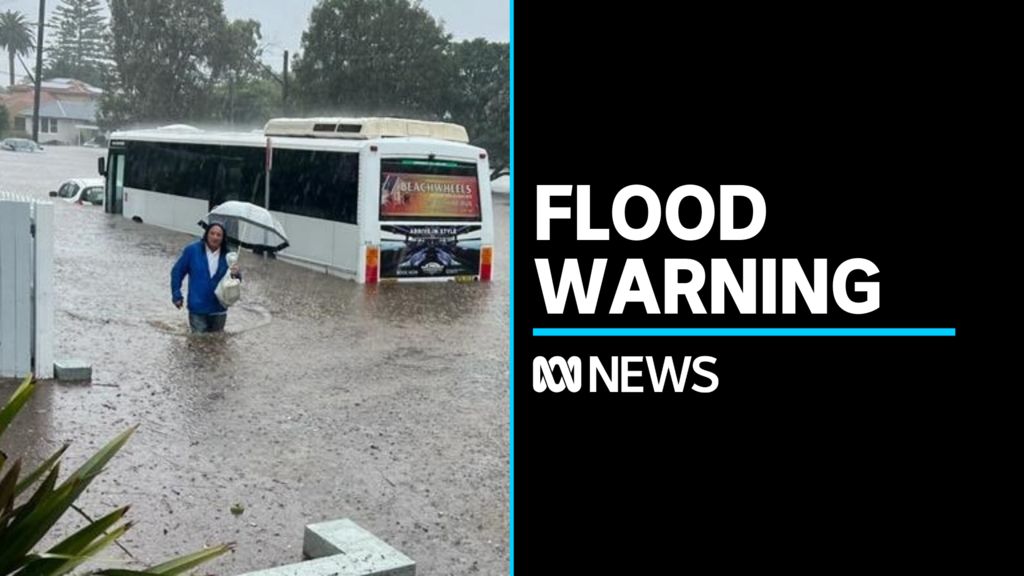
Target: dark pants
[[207, 322]]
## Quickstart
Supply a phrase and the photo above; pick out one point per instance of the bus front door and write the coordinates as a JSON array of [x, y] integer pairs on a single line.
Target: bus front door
[[114, 202]]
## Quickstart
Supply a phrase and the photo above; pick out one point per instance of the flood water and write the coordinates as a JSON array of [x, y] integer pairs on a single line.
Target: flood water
[[324, 399]]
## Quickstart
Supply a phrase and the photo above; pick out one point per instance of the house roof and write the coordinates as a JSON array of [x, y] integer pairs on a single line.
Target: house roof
[[61, 85], [72, 110]]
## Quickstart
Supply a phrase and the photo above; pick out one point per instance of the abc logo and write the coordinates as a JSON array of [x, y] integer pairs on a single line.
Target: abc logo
[[557, 374], [624, 374]]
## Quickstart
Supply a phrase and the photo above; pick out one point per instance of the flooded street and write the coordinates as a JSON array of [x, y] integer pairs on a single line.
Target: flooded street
[[324, 399]]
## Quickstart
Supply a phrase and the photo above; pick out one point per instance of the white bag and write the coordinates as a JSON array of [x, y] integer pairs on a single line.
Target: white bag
[[229, 289]]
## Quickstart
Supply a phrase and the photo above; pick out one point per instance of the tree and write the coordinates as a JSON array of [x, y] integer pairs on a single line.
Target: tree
[[373, 57], [248, 103], [4, 120], [494, 135], [15, 37], [237, 51], [236, 69], [78, 46], [163, 52], [478, 97]]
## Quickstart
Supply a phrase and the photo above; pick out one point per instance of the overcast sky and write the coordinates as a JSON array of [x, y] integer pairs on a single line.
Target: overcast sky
[[283, 21]]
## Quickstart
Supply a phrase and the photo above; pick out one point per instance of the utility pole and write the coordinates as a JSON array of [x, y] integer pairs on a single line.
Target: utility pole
[[39, 71], [284, 87]]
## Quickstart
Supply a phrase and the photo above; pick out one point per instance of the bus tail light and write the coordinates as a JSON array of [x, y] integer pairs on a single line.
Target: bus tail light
[[486, 255], [372, 264]]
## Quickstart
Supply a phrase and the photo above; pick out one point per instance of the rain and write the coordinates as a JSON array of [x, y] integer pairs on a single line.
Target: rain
[[324, 398]]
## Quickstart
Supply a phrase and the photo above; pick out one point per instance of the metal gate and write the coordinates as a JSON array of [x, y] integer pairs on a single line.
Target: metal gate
[[26, 287]]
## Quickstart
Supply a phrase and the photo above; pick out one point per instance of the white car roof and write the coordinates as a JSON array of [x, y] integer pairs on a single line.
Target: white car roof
[[85, 182]]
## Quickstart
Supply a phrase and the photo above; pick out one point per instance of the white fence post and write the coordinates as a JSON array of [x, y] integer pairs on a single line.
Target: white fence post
[[44, 297], [26, 277]]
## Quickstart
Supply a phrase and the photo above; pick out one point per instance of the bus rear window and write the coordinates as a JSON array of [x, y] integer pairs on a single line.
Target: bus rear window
[[429, 190]]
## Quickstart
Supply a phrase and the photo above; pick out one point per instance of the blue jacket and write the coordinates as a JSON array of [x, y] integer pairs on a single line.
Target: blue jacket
[[193, 263]]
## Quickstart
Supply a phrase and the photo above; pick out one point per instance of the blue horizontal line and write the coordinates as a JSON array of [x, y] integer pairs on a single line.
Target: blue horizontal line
[[744, 331]]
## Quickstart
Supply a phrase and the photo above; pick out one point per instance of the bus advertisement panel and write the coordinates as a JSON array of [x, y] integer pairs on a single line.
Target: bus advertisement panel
[[429, 191], [429, 251]]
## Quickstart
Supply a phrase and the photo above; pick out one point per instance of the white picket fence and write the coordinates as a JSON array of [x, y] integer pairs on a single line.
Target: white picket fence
[[26, 287]]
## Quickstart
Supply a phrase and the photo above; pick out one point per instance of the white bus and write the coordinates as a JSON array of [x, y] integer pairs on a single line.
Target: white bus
[[373, 199]]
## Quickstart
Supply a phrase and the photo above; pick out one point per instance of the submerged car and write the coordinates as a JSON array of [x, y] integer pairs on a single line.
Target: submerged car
[[81, 191], [96, 142], [93, 195], [19, 145]]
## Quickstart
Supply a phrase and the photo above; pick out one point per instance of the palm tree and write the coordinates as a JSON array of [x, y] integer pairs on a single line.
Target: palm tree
[[15, 37]]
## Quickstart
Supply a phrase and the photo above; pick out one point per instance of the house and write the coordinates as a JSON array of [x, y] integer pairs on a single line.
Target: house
[[67, 122], [67, 110]]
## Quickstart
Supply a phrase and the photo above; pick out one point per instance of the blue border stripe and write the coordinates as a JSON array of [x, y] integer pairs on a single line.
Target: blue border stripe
[[512, 288], [744, 331]]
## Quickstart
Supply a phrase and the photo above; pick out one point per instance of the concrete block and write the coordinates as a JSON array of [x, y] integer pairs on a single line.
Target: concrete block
[[343, 548], [72, 369]]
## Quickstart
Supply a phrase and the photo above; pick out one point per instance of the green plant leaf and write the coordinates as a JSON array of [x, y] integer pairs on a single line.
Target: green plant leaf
[[85, 474], [38, 496], [7, 489], [80, 540], [26, 531], [38, 472], [93, 549], [58, 564], [14, 404], [189, 561], [46, 507], [23, 527]]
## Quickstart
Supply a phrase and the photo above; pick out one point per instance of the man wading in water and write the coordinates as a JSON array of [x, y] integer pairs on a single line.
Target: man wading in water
[[205, 263]]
